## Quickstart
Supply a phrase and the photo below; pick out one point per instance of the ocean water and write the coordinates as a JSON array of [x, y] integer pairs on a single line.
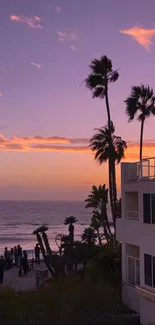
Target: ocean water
[[18, 220]]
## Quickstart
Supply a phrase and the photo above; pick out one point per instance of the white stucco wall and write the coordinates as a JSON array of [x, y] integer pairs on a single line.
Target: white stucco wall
[[130, 298], [135, 232], [147, 311]]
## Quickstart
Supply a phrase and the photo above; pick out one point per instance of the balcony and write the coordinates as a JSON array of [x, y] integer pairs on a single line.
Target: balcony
[[140, 171], [146, 293], [132, 215]]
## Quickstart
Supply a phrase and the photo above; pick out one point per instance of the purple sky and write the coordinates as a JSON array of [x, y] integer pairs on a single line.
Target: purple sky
[[41, 70]]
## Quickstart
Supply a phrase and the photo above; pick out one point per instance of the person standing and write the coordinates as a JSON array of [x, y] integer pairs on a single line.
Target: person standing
[[19, 250], [6, 256], [37, 254], [25, 262], [2, 268], [15, 252]]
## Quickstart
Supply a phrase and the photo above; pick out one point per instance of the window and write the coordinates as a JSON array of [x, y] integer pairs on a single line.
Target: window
[[133, 264], [149, 208], [149, 270], [133, 271]]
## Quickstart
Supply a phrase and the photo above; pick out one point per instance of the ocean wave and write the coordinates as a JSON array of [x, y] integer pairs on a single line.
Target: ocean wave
[[23, 223], [13, 239]]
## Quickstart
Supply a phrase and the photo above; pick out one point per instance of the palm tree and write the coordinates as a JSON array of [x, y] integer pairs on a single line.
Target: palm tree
[[70, 221], [106, 146], [140, 103], [38, 232], [89, 236], [98, 199], [101, 74]]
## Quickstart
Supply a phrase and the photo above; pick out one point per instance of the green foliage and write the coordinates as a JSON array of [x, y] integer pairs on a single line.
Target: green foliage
[[89, 236], [40, 229], [96, 196], [66, 301], [98, 199], [142, 101], [70, 220], [106, 144], [101, 73]]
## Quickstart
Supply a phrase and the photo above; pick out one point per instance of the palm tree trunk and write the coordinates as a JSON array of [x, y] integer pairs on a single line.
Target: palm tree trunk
[[39, 239], [141, 145], [110, 190], [141, 140], [99, 237], [114, 193], [110, 158], [107, 106]]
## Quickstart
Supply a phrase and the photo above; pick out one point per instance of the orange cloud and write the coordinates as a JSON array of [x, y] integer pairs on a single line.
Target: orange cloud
[[33, 22], [62, 144], [142, 35], [36, 65]]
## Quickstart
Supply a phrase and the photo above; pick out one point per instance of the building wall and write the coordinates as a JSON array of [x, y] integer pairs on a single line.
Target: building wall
[[129, 294], [130, 298], [135, 232], [147, 311]]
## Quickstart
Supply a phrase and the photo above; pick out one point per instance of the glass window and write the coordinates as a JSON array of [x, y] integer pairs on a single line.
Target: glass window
[[133, 271], [153, 207], [138, 272], [148, 269], [146, 208]]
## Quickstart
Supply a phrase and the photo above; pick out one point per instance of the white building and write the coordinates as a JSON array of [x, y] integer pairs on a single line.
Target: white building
[[136, 231]]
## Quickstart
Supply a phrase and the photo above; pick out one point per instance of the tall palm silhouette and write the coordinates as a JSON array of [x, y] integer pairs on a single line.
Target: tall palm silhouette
[[70, 221], [98, 199], [107, 145], [140, 103], [89, 236], [101, 74]]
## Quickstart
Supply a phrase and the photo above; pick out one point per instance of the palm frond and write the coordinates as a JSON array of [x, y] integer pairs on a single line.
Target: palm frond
[[94, 80], [98, 92], [141, 100], [70, 220], [113, 76]]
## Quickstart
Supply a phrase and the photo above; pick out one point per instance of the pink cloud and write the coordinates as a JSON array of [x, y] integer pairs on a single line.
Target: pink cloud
[[73, 48], [61, 36], [58, 9], [142, 35], [66, 36], [1, 94], [36, 65], [33, 22]]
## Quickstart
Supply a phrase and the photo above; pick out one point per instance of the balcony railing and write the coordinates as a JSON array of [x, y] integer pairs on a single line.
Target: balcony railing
[[146, 293], [144, 170], [132, 215]]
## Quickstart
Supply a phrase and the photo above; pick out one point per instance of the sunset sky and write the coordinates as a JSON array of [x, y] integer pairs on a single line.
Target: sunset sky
[[46, 117]]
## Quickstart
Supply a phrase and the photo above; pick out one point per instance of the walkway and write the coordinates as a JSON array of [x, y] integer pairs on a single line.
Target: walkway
[[23, 283]]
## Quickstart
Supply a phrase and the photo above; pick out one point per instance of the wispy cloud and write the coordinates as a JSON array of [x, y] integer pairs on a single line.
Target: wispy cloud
[[36, 65], [66, 36], [69, 37], [58, 9], [32, 22], [1, 94], [142, 35], [73, 48], [62, 144]]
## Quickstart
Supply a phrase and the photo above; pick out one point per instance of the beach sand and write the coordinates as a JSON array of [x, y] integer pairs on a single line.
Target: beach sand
[[23, 283]]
